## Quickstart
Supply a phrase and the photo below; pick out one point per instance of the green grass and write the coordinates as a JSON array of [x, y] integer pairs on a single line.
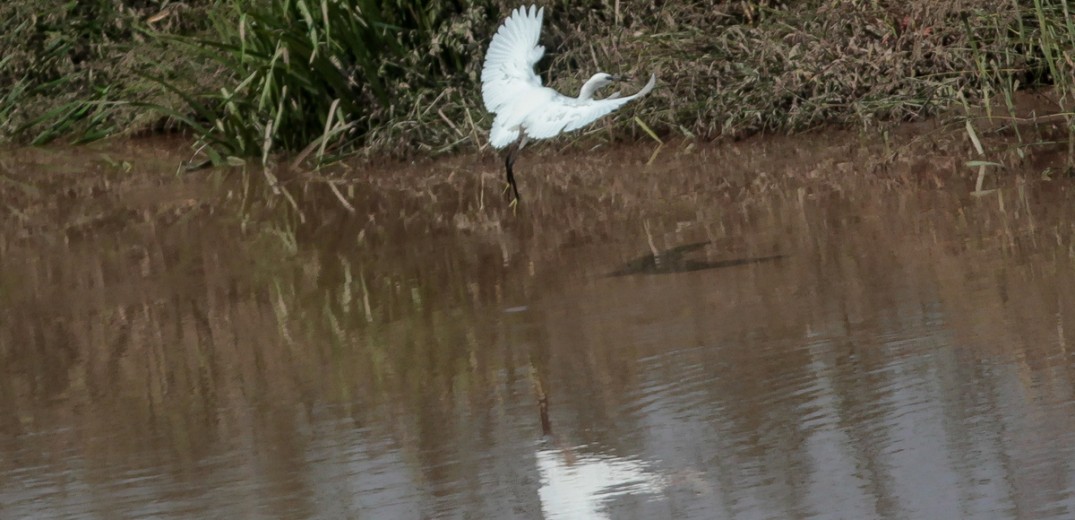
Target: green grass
[[1035, 48], [318, 73]]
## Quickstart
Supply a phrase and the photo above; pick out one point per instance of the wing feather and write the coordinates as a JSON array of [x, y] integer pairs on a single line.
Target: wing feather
[[564, 114], [509, 63]]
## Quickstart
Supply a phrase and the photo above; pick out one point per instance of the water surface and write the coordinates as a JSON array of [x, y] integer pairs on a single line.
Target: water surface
[[764, 330]]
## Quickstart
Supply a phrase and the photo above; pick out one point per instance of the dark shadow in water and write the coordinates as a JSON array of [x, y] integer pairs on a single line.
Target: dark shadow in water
[[675, 260]]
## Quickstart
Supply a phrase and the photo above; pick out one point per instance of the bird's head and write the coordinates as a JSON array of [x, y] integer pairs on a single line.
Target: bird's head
[[602, 78]]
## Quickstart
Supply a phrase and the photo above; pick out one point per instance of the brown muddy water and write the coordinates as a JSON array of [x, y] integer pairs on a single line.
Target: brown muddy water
[[772, 329]]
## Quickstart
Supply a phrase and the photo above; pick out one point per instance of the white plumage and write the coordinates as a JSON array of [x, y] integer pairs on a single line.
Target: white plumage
[[524, 108]]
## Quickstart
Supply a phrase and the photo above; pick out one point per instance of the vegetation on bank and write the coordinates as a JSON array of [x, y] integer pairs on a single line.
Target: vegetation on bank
[[328, 77]]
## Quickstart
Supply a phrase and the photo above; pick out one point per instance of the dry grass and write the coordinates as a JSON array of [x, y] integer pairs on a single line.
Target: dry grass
[[732, 69]]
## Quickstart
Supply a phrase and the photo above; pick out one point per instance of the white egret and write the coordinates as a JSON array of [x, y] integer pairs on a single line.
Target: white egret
[[524, 108]]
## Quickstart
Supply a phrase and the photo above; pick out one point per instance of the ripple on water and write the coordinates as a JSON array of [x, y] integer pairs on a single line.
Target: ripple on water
[[907, 357]]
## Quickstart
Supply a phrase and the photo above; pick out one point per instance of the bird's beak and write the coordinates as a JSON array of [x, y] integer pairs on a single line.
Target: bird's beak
[[620, 77]]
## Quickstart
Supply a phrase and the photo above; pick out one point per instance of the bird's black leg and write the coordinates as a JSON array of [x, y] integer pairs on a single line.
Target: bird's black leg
[[509, 161]]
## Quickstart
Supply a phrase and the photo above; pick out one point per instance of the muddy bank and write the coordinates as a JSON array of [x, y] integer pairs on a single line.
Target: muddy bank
[[82, 189]]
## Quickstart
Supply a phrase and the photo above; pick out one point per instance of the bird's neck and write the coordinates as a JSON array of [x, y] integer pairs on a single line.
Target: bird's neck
[[589, 88]]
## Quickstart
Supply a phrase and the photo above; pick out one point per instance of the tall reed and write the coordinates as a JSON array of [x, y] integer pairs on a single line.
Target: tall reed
[[1035, 49], [318, 73]]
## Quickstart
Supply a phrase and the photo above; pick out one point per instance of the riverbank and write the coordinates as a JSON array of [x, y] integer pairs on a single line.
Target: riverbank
[[216, 71]]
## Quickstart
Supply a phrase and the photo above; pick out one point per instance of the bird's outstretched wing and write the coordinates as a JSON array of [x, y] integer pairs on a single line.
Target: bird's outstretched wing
[[564, 114], [509, 64]]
